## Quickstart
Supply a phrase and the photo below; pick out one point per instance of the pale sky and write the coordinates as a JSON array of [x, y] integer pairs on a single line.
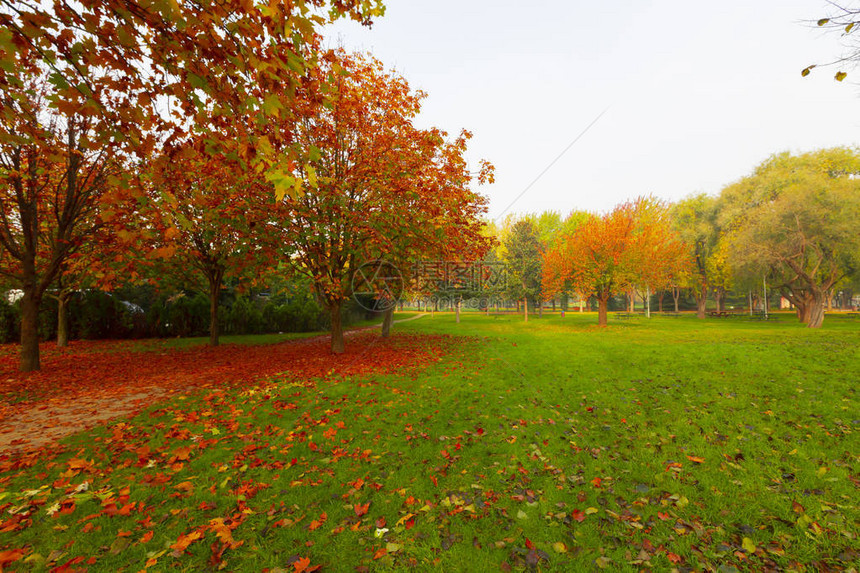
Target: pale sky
[[697, 93]]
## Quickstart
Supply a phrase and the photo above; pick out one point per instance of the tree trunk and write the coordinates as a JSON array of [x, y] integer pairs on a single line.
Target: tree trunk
[[553, 304], [387, 320], [30, 330], [660, 301], [601, 311], [526, 307], [540, 308], [337, 345], [815, 314], [214, 294], [63, 319], [718, 299], [701, 301], [457, 311], [676, 294]]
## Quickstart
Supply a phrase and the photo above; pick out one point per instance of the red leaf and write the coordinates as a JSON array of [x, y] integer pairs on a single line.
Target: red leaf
[[361, 509]]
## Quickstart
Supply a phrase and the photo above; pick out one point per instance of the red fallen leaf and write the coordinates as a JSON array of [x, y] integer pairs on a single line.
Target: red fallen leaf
[[529, 543], [301, 565], [330, 433], [797, 508], [317, 523], [10, 556], [123, 533], [361, 509], [67, 566], [146, 536], [409, 523], [578, 515], [380, 523], [696, 459], [381, 552], [672, 465], [185, 540], [663, 516], [126, 509], [589, 409], [480, 431], [182, 454], [596, 482], [435, 482], [674, 558]]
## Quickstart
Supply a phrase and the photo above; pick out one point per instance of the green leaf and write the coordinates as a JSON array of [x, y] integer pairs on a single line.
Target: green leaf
[[197, 81], [748, 545]]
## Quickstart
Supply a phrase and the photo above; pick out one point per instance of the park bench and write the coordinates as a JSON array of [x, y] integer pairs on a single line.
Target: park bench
[[763, 316]]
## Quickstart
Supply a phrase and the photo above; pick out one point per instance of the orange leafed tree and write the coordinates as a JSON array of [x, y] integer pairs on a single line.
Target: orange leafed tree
[[55, 175], [631, 245], [384, 189], [206, 219]]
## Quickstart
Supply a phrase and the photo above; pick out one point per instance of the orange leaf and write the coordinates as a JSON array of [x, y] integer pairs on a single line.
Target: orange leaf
[[146, 536], [10, 555], [361, 509], [301, 564], [185, 540], [696, 459], [315, 524], [381, 552]]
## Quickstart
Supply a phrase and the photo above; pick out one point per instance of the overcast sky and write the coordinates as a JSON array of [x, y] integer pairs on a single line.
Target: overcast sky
[[697, 93]]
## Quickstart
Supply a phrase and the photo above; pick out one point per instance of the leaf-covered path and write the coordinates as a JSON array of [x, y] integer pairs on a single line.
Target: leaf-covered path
[[92, 382]]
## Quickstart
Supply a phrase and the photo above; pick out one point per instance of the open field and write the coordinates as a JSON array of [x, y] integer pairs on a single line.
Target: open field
[[654, 444]]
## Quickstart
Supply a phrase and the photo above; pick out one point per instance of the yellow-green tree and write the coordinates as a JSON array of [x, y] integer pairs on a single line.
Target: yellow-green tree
[[798, 218]]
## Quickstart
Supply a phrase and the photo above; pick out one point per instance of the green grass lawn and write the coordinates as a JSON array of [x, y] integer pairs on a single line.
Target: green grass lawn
[[714, 445]]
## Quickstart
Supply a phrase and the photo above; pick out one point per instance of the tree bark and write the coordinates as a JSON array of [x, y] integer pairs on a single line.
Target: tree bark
[[30, 329], [701, 301], [660, 301], [63, 319], [676, 294], [337, 345], [540, 308], [526, 307], [601, 311], [387, 319], [214, 294], [816, 310]]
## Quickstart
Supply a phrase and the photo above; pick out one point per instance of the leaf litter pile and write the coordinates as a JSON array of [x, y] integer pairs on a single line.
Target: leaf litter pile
[[441, 452]]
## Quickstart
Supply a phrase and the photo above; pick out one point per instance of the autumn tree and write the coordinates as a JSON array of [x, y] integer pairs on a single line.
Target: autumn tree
[[55, 172], [843, 20], [205, 220], [383, 188], [153, 69], [797, 217], [633, 244]]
